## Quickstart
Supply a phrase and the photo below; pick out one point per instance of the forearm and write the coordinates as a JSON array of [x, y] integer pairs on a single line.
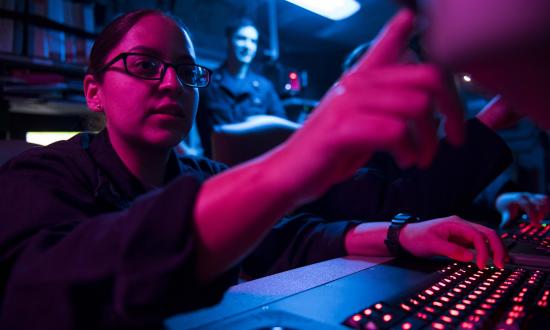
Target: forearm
[[367, 239], [235, 210]]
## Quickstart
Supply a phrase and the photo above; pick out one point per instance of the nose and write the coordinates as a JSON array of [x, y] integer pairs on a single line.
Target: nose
[[250, 43], [170, 81]]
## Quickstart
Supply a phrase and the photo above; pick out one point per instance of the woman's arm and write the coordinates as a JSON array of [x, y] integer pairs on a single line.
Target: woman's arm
[[452, 237], [378, 105]]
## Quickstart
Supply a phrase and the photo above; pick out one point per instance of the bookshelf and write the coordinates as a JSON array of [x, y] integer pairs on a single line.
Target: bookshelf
[[44, 47]]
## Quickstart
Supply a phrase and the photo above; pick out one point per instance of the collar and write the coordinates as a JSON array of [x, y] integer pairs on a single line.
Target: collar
[[115, 182], [247, 85]]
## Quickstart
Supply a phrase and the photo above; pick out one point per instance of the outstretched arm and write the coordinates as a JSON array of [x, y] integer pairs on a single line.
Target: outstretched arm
[[378, 105]]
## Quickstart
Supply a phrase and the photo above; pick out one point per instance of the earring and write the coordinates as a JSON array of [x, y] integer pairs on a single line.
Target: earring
[[99, 108]]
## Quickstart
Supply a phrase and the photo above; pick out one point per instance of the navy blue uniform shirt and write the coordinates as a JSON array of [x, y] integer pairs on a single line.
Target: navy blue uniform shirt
[[229, 100], [83, 245]]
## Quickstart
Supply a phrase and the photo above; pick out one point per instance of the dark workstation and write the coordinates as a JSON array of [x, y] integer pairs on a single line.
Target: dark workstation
[[274, 164]]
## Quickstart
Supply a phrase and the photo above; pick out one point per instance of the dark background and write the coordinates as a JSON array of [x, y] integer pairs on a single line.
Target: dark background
[[42, 93]]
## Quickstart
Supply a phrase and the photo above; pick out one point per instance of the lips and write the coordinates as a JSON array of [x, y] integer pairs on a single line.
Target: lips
[[170, 109]]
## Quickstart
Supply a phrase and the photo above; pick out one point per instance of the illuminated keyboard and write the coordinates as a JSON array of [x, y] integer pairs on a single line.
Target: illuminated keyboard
[[533, 238], [465, 297]]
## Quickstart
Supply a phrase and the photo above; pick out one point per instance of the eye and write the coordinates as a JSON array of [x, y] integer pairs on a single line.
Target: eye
[[147, 65], [144, 65]]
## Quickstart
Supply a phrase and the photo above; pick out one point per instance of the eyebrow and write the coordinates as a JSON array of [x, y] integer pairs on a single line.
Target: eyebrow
[[154, 52]]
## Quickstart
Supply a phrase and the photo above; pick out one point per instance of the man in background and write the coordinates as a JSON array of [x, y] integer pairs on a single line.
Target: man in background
[[236, 93]]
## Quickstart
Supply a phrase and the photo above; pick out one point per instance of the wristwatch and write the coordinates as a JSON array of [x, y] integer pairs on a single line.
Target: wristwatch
[[392, 239]]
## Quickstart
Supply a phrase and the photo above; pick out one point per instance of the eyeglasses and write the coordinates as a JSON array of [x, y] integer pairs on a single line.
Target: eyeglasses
[[153, 68]]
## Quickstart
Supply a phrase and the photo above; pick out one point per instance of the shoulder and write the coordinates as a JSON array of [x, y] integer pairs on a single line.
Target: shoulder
[[55, 151], [213, 88], [58, 160], [218, 76]]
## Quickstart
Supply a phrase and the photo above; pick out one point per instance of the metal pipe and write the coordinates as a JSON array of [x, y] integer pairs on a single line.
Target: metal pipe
[[273, 51]]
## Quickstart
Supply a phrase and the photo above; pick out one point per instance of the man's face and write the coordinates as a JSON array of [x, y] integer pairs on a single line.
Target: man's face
[[503, 44], [244, 44]]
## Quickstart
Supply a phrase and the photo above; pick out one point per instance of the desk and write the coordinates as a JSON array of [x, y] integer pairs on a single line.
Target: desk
[[258, 293]]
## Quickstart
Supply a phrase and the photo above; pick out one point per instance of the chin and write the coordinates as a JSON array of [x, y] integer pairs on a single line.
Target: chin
[[245, 59], [166, 138]]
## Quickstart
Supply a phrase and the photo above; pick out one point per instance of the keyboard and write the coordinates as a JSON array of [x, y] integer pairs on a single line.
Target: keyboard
[[537, 237], [465, 297], [528, 245]]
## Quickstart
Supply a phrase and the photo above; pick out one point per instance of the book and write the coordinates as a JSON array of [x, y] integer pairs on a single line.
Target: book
[[7, 28], [56, 39]]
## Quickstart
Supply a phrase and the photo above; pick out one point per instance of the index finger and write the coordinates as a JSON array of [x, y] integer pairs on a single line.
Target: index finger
[[497, 247], [391, 42]]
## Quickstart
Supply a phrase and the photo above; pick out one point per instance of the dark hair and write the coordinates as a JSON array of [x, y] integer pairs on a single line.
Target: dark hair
[[232, 28], [113, 33]]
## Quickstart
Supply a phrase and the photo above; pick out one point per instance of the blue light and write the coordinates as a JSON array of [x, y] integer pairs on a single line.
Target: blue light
[[332, 9]]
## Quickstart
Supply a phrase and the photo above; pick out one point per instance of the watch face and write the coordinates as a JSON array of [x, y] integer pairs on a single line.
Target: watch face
[[403, 218], [399, 221]]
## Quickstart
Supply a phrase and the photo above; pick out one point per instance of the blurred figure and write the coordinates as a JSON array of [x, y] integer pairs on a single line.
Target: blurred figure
[[503, 44], [512, 204], [236, 92]]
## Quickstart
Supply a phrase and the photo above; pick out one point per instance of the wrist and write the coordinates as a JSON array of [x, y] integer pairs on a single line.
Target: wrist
[[394, 235]]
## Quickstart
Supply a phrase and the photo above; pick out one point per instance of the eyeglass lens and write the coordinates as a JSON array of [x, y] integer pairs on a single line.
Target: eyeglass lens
[[149, 67]]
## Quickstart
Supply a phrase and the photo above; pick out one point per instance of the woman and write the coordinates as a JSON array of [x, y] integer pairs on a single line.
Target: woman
[[112, 231]]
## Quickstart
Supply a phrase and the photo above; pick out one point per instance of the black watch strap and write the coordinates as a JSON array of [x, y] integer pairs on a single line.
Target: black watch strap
[[392, 238]]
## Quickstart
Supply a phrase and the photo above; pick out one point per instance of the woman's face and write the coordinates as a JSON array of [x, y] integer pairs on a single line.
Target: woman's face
[[147, 113]]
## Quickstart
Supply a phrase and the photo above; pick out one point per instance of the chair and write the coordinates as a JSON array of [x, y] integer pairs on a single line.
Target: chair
[[233, 144], [11, 148]]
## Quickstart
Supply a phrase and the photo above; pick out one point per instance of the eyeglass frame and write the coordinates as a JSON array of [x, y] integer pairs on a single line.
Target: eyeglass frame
[[165, 66]]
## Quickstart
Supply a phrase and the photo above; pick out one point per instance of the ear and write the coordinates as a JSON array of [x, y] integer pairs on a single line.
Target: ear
[[92, 92]]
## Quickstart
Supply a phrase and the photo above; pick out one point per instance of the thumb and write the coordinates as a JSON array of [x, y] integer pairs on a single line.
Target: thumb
[[391, 42]]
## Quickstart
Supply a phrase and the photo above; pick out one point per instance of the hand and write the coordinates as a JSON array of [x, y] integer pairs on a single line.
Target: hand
[[452, 237], [498, 115], [511, 204], [382, 104]]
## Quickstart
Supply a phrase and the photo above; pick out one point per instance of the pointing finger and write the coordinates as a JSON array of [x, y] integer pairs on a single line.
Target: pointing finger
[[391, 42]]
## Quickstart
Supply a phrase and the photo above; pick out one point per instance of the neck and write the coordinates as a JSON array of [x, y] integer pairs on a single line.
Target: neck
[[236, 68], [147, 164]]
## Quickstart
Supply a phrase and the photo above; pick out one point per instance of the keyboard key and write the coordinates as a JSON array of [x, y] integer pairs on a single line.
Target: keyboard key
[[467, 298]]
